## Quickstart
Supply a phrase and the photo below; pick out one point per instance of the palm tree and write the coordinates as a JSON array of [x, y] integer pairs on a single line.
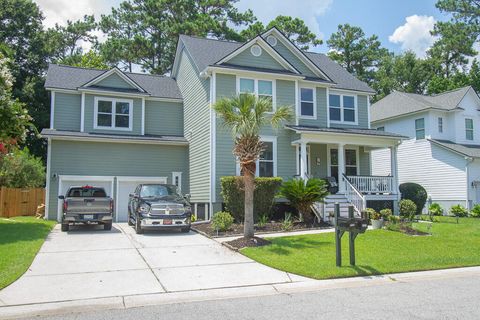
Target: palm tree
[[245, 115]]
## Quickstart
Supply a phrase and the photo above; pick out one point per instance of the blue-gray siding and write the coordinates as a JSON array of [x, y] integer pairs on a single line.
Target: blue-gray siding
[[292, 58], [67, 111], [114, 81], [115, 159], [163, 118], [265, 60]]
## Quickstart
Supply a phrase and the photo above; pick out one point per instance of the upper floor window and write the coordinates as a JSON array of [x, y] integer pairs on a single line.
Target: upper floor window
[[381, 129], [469, 129], [112, 113], [307, 103], [440, 125], [420, 128], [261, 88], [342, 108]]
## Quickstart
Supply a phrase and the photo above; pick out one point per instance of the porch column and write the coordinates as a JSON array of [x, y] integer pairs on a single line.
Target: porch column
[[303, 160], [394, 173], [341, 167]]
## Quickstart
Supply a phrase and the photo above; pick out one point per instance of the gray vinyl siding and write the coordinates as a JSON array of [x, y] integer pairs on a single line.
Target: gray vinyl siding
[[362, 104], [115, 159], [163, 118], [137, 116], [195, 93], [364, 165], [318, 151], [225, 160], [67, 111], [321, 121], [247, 59], [114, 81], [292, 58]]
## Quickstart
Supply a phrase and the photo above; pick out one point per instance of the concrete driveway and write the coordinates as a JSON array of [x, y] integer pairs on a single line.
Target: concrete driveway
[[89, 263]]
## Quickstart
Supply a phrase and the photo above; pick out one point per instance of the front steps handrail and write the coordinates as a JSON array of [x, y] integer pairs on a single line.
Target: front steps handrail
[[354, 196]]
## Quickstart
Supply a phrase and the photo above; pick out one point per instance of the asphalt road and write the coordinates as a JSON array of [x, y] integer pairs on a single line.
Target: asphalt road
[[448, 298]]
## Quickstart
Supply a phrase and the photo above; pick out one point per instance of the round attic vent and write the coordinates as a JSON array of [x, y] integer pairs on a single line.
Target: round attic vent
[[272, 41], [256, 50]]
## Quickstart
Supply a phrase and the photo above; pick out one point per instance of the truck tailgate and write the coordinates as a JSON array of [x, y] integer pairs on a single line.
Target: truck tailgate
[[88, 205]]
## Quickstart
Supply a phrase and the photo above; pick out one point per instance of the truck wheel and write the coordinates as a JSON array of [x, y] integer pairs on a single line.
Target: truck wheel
[[138, 226], [107, 226], [186, 229], [65, 227]]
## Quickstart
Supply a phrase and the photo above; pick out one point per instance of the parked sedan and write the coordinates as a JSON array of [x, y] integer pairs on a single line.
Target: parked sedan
[[157, 206]]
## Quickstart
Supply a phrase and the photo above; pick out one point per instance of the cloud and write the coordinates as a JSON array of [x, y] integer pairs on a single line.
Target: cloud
[[309, 10], [415, 34]]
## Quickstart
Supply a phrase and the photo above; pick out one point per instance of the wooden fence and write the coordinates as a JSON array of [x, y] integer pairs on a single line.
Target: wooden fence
[[20, 202]]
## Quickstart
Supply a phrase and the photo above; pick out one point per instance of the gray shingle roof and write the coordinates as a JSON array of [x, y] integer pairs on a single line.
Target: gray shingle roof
[[465, 149], [72, 78], [144, 138], [206, 52], [369, 132], [401, 103]]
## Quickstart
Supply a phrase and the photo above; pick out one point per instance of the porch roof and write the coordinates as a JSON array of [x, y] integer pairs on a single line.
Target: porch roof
[[349, 131]]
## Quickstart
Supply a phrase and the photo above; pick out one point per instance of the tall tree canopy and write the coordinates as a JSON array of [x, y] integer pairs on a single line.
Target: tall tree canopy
[[294, 28]]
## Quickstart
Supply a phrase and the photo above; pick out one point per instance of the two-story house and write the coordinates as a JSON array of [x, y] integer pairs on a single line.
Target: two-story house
[[443, 150], [118, 129]]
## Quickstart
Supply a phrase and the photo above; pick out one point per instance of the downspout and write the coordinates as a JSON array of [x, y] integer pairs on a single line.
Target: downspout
[[467, 164]]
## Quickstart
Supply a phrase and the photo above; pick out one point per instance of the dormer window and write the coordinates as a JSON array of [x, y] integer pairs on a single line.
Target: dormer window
[[113, 114]]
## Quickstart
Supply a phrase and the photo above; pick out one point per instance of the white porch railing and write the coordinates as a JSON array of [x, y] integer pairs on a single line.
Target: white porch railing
[[354, 196], [373, 184]]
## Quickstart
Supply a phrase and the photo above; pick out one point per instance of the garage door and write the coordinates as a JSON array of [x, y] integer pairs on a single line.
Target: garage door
[[125, 186], [66, 182]]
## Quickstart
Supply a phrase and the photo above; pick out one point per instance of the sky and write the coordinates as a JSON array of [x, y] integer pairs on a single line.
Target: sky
[[400, 25]]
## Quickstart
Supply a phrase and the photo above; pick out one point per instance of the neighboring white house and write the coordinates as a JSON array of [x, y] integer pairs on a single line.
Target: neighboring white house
[[443, 152]]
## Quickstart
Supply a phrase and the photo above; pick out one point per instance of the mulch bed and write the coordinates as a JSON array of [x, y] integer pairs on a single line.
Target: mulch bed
[[240, 243], [412, 232], [271, 227]]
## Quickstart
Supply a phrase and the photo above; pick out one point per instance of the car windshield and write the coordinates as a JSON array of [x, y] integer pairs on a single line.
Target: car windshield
[[89, 192], [158, 191]]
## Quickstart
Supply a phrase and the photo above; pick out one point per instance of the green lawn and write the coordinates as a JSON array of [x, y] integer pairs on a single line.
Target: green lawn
[[20, 240], [378, 251]]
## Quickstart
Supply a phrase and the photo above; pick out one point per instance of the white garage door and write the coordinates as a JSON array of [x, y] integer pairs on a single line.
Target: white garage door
[[66, 182], [127, 185]]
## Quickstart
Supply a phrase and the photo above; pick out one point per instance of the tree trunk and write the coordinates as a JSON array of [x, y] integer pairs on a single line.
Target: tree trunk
[[249, 184]]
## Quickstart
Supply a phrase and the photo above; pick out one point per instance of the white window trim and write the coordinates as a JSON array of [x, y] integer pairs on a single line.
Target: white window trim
[[272, 139], [255, 89], [329, 163], [314, 102], [177, 174], [467, 130], [440, 124], [114, 101], [418, 129], [355, 104]]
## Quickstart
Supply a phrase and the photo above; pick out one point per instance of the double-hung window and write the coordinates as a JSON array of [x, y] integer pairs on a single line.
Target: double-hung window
[[112, 113], [307, 103], [469, 129], [342, 108], [263, 89], [266, 163], [440, 124], [420, 128]]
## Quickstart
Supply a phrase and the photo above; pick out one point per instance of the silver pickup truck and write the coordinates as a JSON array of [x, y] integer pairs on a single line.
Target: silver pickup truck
[[87, 205]]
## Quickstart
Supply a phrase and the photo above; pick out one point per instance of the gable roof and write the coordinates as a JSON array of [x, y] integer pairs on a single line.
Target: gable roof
[[73, 78], [207, 52], [110, 72], [400, 103]]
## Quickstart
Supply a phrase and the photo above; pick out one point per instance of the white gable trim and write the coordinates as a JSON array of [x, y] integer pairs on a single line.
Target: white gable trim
[[297, 52], [109, 73], [265, 46]]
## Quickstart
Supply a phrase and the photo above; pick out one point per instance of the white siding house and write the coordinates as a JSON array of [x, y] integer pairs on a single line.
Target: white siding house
[[443, 152]]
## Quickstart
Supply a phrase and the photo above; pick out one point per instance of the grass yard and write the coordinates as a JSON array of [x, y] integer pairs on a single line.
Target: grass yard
[[377, 251], [20, 240]]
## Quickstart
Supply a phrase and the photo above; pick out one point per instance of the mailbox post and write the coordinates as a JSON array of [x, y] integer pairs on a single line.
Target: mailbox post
[[353, 226]]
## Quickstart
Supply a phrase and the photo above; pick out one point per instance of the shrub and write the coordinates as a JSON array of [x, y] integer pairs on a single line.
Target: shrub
[[459, 211], [233, 195], [407, 208], [262, 220], [416, 193], [222, 221], [20, 169], [372, 214], [436, 209], [303, 193], [287, 223], [386, 213], [475, 211]]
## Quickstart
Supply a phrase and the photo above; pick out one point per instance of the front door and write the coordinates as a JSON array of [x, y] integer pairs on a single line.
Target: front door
[[351, 163]]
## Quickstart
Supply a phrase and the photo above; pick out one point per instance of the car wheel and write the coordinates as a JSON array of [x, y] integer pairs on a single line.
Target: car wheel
[[186, 229], [138, 226], [65, 227], [107, 226]]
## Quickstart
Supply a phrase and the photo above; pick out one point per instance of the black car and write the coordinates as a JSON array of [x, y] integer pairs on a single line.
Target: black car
[[158, 206]]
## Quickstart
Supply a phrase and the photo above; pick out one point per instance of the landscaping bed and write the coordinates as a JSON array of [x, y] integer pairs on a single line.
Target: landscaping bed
[[450, 245], [271, 227], [20, 240], [242, 242]]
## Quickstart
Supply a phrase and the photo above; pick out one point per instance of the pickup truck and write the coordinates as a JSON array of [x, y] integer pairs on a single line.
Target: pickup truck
[[157, 206], [87, 204]]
